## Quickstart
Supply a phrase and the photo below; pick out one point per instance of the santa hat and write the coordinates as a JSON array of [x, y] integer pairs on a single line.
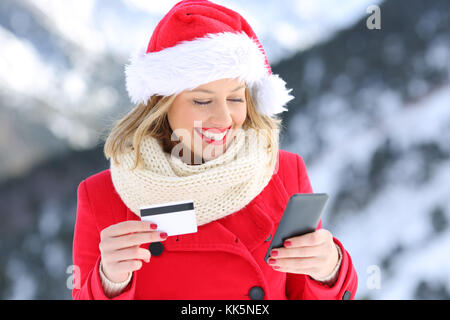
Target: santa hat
[[197, 42]]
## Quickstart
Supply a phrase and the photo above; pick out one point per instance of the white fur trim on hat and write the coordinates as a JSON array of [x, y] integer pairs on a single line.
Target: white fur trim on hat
[[216, 56]]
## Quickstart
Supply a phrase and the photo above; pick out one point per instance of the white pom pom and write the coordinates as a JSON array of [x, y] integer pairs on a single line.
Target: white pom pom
[[271, 95]]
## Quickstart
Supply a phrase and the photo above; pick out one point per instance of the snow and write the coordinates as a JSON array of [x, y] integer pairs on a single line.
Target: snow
[[74, 19], [400, 214], [21, 65]]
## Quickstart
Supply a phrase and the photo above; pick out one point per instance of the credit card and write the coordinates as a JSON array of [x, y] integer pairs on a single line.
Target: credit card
[[174, 218]]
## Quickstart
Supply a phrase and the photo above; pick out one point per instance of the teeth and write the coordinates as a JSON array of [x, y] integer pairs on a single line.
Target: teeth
[[214, 136]]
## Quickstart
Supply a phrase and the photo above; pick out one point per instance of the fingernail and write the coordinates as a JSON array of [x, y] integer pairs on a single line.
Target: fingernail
[[272, 261], [287, 243], [154, 226], [276, 267], [163, 235], [274, 253]]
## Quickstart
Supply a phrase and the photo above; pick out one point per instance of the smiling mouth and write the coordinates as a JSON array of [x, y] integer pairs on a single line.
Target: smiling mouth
[[214, 130], [216, 139]]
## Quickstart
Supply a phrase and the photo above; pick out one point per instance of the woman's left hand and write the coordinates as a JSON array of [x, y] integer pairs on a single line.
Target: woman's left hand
[[314, 254]]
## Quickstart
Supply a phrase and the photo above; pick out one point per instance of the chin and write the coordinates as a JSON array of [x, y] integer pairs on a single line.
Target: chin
[[213, 153], [212, 156]]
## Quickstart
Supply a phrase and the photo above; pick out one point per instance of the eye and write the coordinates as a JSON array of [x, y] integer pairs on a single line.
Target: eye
[[201, 103], [207, 102]]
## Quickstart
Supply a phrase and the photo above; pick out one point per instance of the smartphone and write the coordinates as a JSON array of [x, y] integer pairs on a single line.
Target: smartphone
[[301, 216]]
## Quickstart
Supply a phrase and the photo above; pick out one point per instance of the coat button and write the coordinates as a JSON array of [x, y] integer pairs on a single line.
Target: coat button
[[347, 295], [156, 248], [256, 293]]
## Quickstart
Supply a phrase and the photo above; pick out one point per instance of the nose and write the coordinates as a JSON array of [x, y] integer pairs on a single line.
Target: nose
[[221, 115]]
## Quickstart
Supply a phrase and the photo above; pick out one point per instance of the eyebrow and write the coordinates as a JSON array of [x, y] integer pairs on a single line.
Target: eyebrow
[[208, 91]]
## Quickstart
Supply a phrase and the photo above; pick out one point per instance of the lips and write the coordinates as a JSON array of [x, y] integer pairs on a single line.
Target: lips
[[213, 141], [214, 130]]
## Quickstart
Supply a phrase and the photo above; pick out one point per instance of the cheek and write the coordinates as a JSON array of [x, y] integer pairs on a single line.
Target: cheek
[[182, 117], [240, 116], [187, 121]]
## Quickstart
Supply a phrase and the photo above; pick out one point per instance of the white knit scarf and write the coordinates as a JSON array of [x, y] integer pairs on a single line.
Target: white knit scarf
[[218, 187]]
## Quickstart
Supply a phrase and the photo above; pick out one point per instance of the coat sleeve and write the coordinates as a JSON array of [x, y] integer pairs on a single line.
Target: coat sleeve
[[86, 254], [303, 287]]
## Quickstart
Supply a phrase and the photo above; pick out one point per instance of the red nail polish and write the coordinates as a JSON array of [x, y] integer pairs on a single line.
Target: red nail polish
[[274, 253], [287, 243], [163, 235], [154, 226], [276, 267], [272, 261]]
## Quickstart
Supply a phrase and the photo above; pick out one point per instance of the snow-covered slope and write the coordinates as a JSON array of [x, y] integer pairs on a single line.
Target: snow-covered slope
[[403, 229]]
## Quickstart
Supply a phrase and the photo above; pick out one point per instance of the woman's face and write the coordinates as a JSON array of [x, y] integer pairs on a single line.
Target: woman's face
[[211, 108]]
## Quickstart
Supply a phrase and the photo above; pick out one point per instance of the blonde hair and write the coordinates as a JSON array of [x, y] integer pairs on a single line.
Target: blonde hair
[[151, 119]]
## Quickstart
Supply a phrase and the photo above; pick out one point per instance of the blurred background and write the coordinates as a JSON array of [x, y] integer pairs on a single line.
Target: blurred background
[[371, 119]]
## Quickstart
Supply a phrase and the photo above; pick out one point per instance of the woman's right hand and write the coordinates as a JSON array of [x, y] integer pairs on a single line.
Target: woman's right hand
[[120, 247]]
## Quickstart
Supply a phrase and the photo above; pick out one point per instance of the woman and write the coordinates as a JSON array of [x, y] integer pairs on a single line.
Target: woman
[[203, 129]]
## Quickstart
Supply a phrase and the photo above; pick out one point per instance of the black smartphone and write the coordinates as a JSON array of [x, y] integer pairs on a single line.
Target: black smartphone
[[301, 216]]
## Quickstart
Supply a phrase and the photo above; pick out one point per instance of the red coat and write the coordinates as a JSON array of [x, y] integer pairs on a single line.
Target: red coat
[[223, 260]]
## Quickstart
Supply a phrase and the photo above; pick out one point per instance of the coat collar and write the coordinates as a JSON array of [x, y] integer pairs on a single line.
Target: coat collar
[[251, 225]]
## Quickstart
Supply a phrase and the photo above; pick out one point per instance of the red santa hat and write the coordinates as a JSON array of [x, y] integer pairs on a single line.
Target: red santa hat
[[197, 42]]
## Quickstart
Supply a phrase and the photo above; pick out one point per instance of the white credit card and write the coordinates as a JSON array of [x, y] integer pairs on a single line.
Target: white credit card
[[174, 218]]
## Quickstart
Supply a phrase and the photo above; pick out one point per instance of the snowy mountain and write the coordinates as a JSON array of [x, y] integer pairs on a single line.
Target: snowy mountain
[[371, 118]]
